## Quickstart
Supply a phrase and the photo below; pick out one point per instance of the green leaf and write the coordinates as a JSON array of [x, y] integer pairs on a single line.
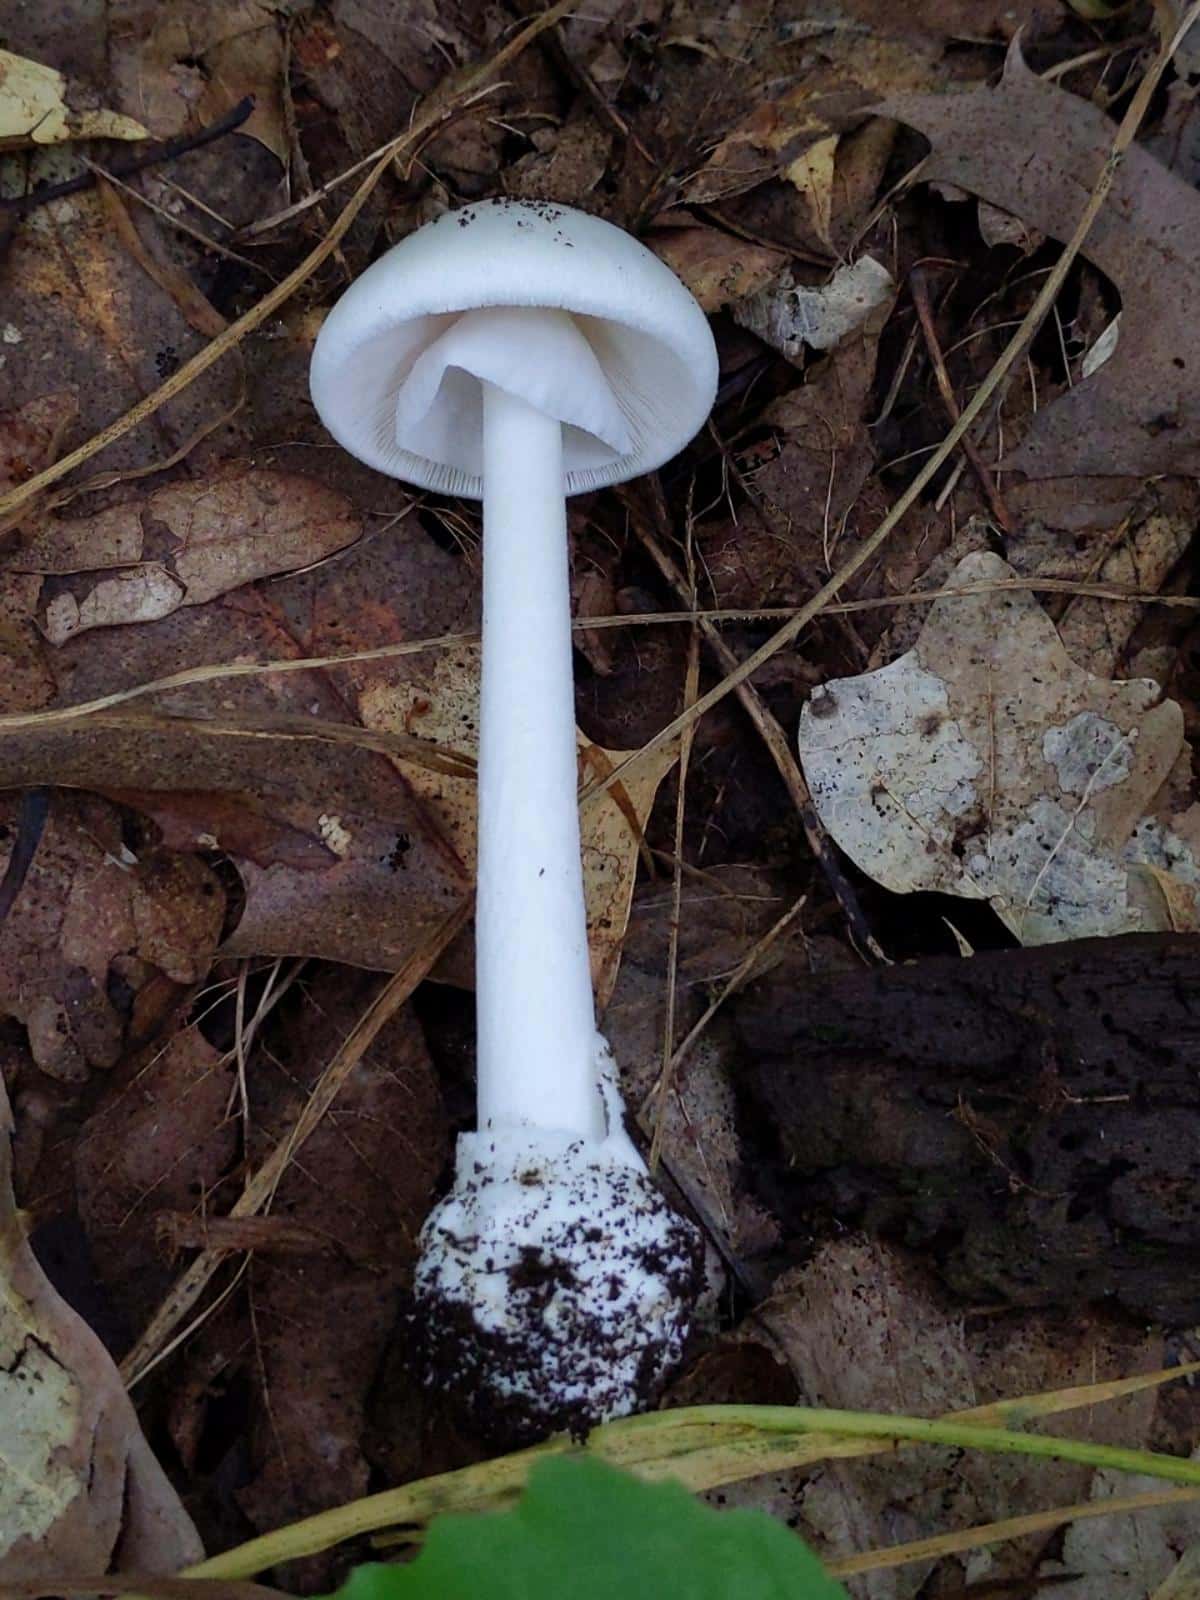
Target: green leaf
[[586, 1530]]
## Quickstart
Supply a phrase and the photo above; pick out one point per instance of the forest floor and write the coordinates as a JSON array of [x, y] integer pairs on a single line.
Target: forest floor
[[912, 1030]]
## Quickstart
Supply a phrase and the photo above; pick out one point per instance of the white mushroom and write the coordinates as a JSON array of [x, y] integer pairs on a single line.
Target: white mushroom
[[518, 353]]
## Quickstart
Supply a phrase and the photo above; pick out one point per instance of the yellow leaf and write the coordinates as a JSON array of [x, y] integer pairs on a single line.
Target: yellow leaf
[[34, 109], [811, 173]]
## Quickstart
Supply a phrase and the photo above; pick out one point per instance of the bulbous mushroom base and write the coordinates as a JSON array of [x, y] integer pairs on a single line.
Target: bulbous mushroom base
[[555, 1286]]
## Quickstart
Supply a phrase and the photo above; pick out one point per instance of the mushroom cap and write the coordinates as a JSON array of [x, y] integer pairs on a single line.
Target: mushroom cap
[[651, 341]]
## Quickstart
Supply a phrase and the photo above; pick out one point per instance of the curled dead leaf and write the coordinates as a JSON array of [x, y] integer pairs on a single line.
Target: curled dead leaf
[[79, 1485]]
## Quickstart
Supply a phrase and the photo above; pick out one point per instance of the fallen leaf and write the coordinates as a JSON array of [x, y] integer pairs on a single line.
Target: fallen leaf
[[184, 545], [719, 268], [985, 763], [38, 106], [998, 227], [915, 1353], [132, 597], [242, 827], [811, 174], [91, 913], [198, 310], [789, 316], [441, 706], [393, 874], [197, 61], [322, 1321], [82, 320], [1124, 1556], [813, 488], [1148, 542], [1035, 150], [797, 127], [160, 1139], [79, 1486]]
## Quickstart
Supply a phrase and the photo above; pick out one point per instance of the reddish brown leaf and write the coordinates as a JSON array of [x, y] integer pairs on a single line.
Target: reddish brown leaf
[[89, 908]]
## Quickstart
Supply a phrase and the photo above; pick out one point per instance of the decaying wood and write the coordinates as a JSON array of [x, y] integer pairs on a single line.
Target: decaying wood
[[1032, 1114]]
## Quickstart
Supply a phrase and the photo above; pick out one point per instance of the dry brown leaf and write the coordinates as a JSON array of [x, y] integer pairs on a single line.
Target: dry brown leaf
[[89, 912], [319, 1302], [183, 545], [813, 486], [341, 859], [82, 320], [985, 763], [1035, 150], [39, 106], [196, 61], [79, 1487], [199, 312], [793, 130], [773, 138], [717, 267], [811, 175], [441, 706], [1139, 553], [323, 1320], [160, 1138]]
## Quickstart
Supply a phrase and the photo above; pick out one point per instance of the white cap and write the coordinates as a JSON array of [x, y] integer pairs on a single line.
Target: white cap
[[631, 371]]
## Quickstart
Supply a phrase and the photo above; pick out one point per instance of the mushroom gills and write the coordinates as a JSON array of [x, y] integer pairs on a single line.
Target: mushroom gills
[[439, 406]]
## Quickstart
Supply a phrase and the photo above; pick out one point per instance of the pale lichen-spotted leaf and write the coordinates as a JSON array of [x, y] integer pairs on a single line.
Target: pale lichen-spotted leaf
[[985, 763]]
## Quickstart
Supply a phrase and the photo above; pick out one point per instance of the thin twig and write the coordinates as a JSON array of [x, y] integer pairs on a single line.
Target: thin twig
[[197, 234], [776, 742], [946, 1544], [219, 672], [691, 686], [918, 284], [745, 968]]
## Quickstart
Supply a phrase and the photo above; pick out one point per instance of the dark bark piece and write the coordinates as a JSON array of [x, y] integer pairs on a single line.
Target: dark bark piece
[[1030, 1118]]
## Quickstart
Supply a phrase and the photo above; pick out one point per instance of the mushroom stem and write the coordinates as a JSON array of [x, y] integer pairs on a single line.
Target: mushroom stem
[[536, 1015]]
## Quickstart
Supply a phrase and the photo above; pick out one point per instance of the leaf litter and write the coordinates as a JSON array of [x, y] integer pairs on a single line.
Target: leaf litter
[[228, 826], [985, 763]]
